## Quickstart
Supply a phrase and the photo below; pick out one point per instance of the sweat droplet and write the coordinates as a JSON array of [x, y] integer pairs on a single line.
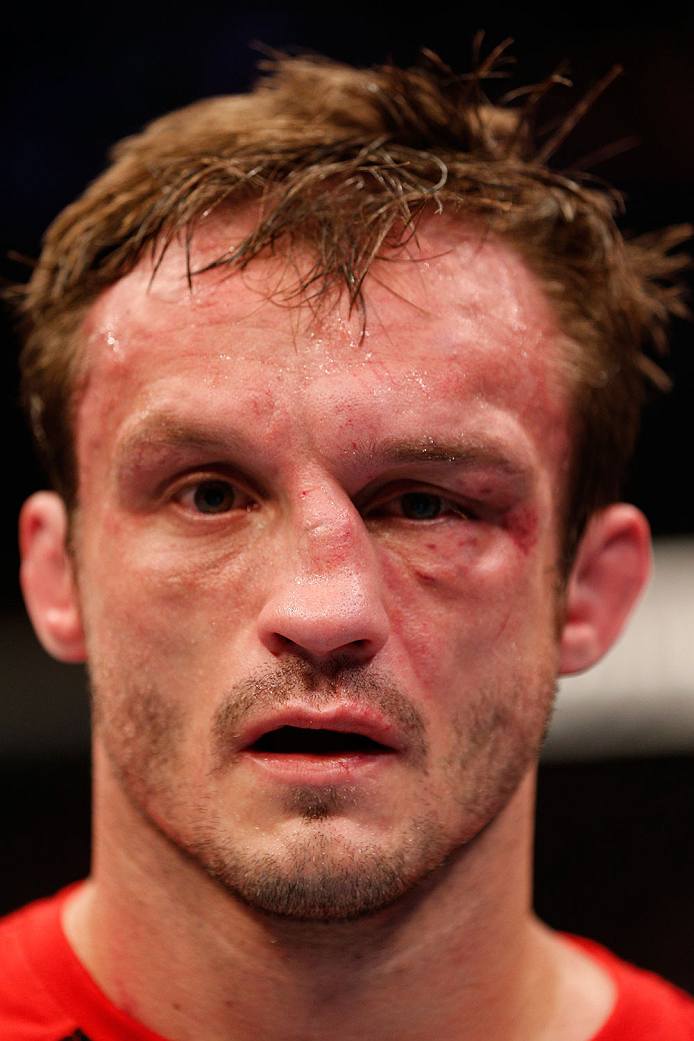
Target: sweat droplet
[[115, 346]]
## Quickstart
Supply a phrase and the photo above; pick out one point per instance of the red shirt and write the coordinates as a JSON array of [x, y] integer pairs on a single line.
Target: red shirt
[[47, 995]]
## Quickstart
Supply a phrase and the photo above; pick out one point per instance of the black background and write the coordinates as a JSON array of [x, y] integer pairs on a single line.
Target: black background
[[615, 840]]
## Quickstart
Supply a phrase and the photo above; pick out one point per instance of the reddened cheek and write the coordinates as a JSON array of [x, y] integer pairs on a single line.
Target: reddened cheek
[[473, 586], [468, 560], [522, 527], [446, 563]]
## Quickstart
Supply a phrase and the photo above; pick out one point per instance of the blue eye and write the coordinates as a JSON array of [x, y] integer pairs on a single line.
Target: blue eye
[[421, 505], [214, 497]]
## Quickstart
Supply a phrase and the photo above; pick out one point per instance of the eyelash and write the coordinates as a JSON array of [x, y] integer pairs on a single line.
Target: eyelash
[[389, 503], [195, 487], [447, 506]]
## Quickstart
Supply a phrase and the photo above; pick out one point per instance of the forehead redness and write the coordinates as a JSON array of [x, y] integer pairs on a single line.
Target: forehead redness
[[454, 310]]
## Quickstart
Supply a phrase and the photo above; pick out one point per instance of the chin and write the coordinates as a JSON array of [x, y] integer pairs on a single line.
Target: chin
[[318, 877]]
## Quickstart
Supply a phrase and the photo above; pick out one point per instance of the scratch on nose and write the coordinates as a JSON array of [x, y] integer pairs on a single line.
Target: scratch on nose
[[330, 537], [326, 520], [333, 600]]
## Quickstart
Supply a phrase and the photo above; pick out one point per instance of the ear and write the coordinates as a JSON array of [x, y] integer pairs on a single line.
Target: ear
[[612, 566], [47, 577]]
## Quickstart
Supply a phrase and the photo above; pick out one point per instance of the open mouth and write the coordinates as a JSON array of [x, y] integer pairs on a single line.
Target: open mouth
[[307, 741]]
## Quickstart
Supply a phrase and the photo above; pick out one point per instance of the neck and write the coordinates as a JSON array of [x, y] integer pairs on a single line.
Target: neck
[[461, 957]]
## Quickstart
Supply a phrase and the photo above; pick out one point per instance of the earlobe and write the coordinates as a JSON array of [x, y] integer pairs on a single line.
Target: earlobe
[[612, 566], [47, 577]]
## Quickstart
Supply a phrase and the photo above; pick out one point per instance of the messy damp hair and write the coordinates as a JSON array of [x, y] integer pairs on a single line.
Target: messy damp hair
[[345, 162]]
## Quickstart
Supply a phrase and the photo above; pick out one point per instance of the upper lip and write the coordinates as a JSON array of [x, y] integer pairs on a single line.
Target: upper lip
[[344, 719]]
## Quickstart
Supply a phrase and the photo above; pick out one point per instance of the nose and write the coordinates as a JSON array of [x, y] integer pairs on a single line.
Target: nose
[[326, 598]]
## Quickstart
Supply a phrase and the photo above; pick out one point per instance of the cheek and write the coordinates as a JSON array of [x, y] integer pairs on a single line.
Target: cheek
[[469, 564], [468, 603], [157, 603]]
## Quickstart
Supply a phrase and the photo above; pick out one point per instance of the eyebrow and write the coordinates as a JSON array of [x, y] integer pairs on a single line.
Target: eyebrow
[[465, 451], [161, 431]]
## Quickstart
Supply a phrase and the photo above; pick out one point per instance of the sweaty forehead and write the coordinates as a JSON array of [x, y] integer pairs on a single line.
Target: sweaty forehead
[[450, 274], [458, 339]]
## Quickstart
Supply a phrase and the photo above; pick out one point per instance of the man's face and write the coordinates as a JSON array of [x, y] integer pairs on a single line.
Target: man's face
[[318, 572]]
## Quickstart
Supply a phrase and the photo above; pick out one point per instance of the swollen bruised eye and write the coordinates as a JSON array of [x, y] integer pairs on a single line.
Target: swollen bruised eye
[[214, 497]]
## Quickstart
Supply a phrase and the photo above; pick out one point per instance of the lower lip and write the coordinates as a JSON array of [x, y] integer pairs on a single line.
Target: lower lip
[[303, 768]]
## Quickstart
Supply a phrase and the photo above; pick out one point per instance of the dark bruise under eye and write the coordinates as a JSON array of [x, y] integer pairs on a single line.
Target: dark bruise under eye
[[298, 740]]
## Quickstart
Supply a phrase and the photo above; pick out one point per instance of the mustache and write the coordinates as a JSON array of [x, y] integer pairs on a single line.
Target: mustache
[[317, 687]]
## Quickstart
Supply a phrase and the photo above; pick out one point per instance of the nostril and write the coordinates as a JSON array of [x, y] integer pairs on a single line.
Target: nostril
[[320, 639], [322, 618]]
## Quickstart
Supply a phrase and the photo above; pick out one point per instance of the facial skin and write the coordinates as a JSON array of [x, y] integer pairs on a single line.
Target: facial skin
[[282, 524]]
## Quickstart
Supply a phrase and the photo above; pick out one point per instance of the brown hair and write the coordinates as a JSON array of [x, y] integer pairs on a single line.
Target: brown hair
[[346, 161]]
